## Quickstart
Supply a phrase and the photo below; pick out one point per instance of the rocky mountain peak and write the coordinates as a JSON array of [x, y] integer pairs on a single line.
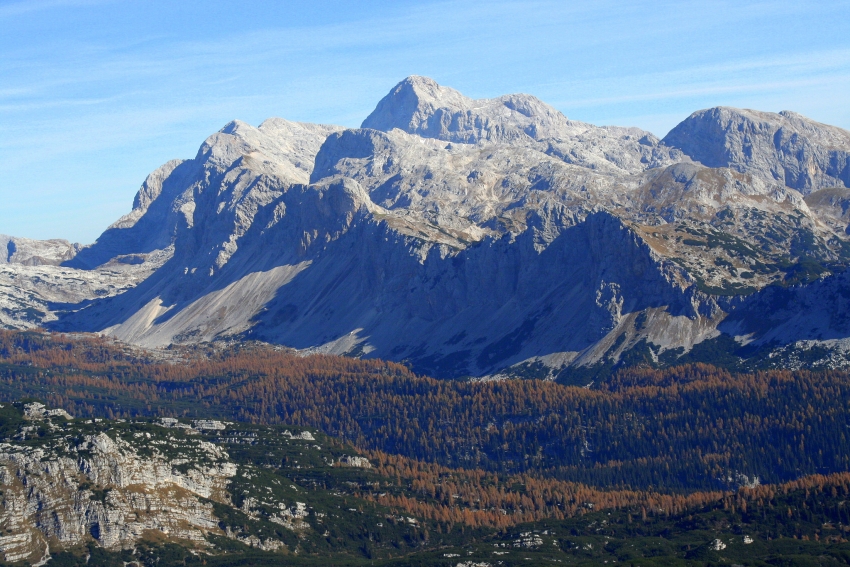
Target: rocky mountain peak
[[412, 102], [784, 147], [419, 105]]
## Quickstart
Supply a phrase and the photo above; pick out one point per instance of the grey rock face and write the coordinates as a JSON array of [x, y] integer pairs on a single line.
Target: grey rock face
[[420, 106], [26, 252], [281, 151], [493, 304], [832, 206], [816, 312], [787, 148], [92, 482], [49, 502]]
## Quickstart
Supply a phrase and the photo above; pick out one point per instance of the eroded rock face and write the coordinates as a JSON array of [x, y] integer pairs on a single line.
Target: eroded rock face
[[104, 489], [786, 147], [237, 172], [27, 252], [65, 482]]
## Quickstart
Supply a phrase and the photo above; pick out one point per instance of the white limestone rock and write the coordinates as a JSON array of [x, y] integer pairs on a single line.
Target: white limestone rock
[[27, 252], [418, 105], [44, 499], [304, 435], [37, 410], [115, 487], [209, 424], [355, 461], [786, 147]]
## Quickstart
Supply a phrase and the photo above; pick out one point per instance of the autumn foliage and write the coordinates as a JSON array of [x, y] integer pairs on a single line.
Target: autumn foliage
[[685, 429]]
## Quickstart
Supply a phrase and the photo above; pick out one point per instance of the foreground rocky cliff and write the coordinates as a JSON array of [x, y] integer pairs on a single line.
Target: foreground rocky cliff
[[67, 483], [467, 237]]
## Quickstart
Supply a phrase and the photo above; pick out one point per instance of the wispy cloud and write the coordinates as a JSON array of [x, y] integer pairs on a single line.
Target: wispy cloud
[[58, 103], [703, 91], [761, 74], [12, 9]]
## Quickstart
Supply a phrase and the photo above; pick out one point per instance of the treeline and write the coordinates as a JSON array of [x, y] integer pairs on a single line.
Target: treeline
[[682, 429]]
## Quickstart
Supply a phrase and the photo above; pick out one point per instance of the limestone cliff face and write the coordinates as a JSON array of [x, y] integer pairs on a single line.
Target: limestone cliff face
[[102, 488], [65, 482], [27, 252], [785, 147]]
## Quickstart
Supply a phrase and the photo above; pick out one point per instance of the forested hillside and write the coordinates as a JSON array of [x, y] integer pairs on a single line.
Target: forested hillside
[[680, 429]]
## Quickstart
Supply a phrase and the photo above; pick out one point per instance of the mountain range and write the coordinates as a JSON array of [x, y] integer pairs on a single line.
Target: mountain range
[[474, 238]]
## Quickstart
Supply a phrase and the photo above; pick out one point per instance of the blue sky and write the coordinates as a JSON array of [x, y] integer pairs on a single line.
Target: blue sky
[[96, 94]]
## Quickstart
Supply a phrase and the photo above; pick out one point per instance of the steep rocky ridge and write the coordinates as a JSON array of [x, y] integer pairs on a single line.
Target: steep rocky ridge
[[142, 242], [365, 279], [465, 236], [419, 105], [276, 153]]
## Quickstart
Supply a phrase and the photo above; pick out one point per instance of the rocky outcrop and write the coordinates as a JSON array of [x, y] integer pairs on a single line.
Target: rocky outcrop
[[832, 206], [66, 482], [26, 252], [102, 488], [357, 462], [786, 148]]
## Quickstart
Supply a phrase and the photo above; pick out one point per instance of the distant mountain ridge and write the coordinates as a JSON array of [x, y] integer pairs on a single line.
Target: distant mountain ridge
[[467, 237], [786, 147], [30, 252]]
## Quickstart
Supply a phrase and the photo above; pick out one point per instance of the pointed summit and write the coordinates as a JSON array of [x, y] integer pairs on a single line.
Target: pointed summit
[[411, 103], [419, 105]]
